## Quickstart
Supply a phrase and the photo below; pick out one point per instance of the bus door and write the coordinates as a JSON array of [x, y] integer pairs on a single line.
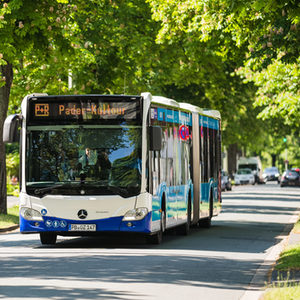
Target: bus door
[[196, 168], [206, 143], [179, 165], [183, 167]]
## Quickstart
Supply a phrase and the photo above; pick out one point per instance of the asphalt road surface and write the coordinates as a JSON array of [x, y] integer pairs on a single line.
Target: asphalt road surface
[[231, 260]]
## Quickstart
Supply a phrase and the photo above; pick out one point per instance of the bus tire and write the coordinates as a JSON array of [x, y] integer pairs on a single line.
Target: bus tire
[[48, 238], [205, 223]]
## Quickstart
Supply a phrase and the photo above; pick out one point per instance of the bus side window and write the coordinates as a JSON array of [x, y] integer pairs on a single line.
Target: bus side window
[[163, 157]]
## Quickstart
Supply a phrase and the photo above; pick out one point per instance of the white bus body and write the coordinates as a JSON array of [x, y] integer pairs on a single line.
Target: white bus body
[[108, 163]]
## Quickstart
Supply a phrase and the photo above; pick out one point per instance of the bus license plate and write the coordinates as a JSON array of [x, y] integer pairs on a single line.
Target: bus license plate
[[83, 227]]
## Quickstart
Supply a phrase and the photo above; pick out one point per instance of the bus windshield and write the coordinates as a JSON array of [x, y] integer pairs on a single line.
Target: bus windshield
[[253, 167], [83, 159]]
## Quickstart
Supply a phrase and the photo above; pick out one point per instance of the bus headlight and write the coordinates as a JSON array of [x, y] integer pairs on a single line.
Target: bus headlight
[[135, 214], [30, 214]]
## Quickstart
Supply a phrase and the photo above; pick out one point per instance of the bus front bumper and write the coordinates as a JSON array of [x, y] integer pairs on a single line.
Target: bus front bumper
[[77, 227]]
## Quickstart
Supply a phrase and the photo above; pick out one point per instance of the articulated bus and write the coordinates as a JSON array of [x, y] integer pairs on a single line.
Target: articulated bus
[[95, 164]]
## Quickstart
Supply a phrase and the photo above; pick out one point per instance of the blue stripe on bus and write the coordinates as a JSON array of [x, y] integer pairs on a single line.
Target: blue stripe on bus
[[176, 201], [174, 116], [161, 114], [205, 192], [114, 224], [208, 122]]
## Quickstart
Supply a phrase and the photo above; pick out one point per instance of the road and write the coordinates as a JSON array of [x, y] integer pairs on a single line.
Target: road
[[228, 261]]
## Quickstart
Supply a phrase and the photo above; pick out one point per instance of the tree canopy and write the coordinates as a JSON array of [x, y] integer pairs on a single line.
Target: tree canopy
[[240, 57]]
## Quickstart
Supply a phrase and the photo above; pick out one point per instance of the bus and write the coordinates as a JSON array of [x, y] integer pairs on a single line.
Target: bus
[[95, 164]]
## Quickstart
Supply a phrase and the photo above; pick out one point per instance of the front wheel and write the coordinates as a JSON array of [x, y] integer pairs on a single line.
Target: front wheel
[[48, 238]]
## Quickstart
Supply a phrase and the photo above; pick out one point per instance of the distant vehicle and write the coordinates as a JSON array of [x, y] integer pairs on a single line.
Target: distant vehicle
[[271, 174], [244, 176], [254, 164], [225, 182], [290, 178]]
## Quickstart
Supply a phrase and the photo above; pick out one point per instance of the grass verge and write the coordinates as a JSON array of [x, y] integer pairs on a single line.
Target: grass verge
[[12, 217], [284, 292], [289, 260]]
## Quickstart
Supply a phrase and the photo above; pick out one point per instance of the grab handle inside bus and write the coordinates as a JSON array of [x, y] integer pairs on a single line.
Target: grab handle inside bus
[[155, 138], [11, 131]]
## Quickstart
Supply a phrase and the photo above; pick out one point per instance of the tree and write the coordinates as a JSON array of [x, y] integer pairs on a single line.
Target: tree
[[117, 39], [29, 32], [265, 32], [256, 40]]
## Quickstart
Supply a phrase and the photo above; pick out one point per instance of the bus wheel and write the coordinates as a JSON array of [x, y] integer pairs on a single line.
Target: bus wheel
[[156, 238], [48, 238], [205, 223]]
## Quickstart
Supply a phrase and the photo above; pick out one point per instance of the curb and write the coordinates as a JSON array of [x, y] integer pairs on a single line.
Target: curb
[[264, 272], [8, 229]]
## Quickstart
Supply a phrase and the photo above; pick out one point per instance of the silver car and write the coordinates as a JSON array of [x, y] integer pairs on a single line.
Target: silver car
[[225, 182], [244, 176], [271, 174]]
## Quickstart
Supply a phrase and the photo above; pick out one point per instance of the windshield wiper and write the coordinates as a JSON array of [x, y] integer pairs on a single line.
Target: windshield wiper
[[43, 191], [123, 192]]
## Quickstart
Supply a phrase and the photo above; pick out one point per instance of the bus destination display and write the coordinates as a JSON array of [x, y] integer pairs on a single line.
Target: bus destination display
[[91, 110]]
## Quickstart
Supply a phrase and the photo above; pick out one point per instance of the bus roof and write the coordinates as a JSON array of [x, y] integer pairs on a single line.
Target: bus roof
[[212, 113], [190, 107], [164, 101]]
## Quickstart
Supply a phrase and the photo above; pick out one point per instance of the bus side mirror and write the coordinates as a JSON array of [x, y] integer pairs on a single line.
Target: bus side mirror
[[11, 132], [155, 138]]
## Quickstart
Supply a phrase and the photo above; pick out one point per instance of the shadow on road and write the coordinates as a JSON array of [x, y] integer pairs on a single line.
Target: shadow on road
[[224, 257]]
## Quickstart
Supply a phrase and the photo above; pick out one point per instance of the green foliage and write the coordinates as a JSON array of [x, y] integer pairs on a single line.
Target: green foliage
[[36, 37], [12, 170], [12, 164], [259, 40], [12, 190], [283, 291], [11, 218], [278, 92], [241, 58], [289, 258], [30, 27]]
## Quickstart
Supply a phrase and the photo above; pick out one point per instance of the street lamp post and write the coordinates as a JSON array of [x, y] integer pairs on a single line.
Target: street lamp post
[[286, 162]]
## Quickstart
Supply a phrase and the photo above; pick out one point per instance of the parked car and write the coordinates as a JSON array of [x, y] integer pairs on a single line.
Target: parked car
[[271, 174], [244, 176], [296, 170], [225, 182], [290, 177]]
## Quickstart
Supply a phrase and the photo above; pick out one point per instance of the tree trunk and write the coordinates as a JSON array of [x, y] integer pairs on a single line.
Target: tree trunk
[[274, 156], [6, 73], [232, 153]]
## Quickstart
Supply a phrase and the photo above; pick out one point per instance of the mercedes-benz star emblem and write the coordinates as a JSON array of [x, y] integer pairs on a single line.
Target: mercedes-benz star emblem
[[82, 214]]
